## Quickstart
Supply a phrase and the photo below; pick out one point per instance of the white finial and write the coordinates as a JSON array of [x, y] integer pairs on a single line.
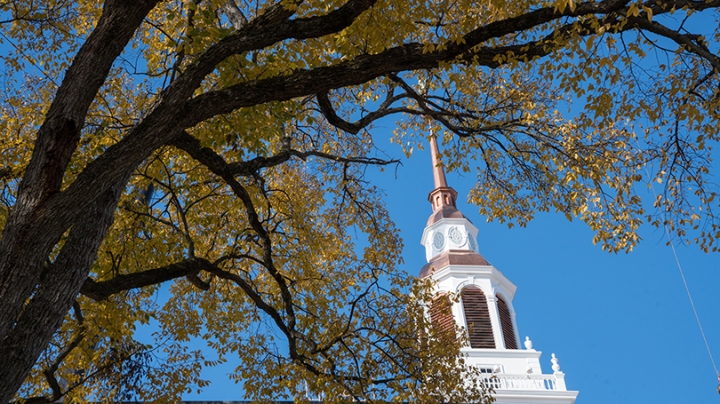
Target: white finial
[[555, 365], [528, 344]]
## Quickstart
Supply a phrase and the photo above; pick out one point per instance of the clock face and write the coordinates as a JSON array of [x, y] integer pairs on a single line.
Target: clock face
[[456, 236], [438, 240]]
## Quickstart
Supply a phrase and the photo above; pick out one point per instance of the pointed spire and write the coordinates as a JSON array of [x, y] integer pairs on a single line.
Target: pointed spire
[[442, 196], [438, 171]]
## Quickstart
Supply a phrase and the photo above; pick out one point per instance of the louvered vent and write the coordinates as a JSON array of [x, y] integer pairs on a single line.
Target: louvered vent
[[478, 318], [507, 325], [442, 317]]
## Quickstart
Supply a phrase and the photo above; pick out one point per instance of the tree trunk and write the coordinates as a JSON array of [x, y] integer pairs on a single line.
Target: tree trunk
[[36, 295], [58, 286]]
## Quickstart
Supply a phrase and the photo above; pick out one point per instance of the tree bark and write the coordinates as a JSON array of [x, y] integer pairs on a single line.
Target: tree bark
[[57, 289], [33, 229]]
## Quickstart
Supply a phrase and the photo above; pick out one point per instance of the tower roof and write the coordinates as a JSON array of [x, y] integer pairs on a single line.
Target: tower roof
[[452, 257]]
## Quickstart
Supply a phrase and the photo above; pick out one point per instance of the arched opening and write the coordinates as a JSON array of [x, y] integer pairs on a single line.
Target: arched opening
[[506, 324], [477, 318]]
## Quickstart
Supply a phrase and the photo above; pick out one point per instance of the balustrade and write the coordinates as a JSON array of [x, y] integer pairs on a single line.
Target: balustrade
[[521, 382]]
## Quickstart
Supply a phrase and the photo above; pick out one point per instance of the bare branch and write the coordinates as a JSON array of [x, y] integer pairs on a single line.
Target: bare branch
[[383, 110], [692, 43]]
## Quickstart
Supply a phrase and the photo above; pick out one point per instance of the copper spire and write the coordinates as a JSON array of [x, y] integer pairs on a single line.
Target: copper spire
[[442, 196], [438, 172]]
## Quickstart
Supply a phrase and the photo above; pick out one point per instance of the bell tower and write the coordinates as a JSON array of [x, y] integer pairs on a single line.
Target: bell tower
[[485, 309]]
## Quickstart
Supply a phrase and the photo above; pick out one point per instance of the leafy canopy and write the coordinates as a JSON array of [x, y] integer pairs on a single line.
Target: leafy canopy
[[199, 165]]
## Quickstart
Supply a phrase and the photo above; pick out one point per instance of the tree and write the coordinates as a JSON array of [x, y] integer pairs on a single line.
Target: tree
[[213, 151]]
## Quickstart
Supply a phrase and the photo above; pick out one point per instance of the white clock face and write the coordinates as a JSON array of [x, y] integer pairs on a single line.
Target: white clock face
[[438, 240], [456, 236]]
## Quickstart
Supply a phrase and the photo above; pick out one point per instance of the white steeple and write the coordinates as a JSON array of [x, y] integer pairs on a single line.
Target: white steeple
[[485, 308]]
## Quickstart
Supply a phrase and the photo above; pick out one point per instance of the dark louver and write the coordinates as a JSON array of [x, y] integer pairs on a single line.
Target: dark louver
[[478, 318], [507, 325]]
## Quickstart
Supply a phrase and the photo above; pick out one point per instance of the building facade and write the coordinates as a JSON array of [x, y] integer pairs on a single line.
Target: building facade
[[485, 307]]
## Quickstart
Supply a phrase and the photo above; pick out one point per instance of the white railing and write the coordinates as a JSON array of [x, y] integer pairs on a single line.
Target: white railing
[[524, 382]]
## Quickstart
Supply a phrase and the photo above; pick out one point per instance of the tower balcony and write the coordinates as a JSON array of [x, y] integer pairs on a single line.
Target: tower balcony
[[506, 381], [515, 376], [529, 388]]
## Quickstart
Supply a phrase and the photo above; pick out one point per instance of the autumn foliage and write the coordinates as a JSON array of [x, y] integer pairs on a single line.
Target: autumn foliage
[[199, 166]]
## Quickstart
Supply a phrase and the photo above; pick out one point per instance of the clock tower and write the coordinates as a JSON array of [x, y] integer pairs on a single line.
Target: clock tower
[[485, 309]]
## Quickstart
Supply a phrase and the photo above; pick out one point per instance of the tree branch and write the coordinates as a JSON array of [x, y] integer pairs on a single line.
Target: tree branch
[[60, 132], [49, 373], [689, 42], [104, 289], [158, 127], [217, 165], [233, 13], [188, 143], [326, 108], [412, 56]]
